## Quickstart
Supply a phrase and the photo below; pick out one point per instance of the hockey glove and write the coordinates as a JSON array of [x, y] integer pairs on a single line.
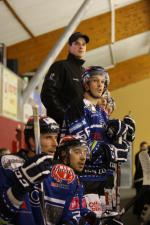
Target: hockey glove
[[90, 219], [32, 172], [115, 129], [130, 123], [121, 151], [115, 153]]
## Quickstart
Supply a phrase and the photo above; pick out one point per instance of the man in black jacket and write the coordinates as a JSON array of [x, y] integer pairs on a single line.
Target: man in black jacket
[[62, 84]]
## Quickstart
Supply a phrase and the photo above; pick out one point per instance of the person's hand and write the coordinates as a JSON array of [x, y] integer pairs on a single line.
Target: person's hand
[[32, 172]]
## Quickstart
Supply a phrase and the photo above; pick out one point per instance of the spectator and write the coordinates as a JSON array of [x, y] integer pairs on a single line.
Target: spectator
[[141, 206], [62, 82], [138, 177]]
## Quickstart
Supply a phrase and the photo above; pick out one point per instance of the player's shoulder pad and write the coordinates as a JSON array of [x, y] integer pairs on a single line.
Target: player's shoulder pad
[[63, 173], [11, 162]]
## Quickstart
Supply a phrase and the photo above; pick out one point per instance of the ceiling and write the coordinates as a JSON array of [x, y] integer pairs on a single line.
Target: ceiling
[[28, 25], [42, 16]]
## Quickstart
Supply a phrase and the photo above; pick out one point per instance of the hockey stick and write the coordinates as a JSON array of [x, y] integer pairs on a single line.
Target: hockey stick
[[36, 129], [117, 181], [38, 151], [118, 175], [118, 178]]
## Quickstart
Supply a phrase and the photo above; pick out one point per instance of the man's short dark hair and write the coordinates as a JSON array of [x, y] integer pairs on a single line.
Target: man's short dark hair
[[143, 143], [77, 35]]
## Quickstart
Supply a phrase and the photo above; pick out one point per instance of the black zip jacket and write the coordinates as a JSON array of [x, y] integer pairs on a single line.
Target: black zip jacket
[[62, 86]]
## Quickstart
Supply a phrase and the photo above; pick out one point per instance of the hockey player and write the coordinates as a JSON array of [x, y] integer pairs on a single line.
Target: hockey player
[[21, 175], [21, 199], [73, 151], [91, 122]]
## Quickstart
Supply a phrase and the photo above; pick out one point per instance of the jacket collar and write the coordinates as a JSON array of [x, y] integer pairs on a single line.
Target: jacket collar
[[72, 58]]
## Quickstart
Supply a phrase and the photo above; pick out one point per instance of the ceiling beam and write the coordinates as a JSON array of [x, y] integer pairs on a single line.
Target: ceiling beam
[[130, 71], [18, 18], [130, 20]]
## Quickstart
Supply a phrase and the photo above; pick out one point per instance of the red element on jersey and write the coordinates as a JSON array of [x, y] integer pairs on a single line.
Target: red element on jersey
[[24, 206], [61, 172], [96, 136], [84, 205], [74, 203]]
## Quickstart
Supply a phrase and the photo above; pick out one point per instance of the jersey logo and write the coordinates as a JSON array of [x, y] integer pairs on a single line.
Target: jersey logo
[[74, 203], [63, 173], [11, 162]]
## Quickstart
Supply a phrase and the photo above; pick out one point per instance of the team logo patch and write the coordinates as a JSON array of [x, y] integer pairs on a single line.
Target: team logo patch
[[74, 204], [11, 162], [63, 173]]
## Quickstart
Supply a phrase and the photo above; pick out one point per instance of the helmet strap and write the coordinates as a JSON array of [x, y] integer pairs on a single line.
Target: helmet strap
[[90, 93]]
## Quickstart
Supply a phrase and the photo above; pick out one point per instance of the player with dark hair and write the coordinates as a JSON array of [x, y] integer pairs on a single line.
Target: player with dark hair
[[23, 200], [73, 151], [22, 173]]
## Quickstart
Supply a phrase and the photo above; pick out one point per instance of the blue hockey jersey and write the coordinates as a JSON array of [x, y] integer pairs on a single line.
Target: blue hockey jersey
[[63, 197], [91, 126]]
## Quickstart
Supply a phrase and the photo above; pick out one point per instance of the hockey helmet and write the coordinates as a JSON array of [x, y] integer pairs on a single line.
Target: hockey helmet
[[95, 70], [69, 141], [47, 125]]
